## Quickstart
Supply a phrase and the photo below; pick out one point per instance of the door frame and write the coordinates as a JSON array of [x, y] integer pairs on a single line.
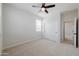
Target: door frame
[[77, 33], [62, 33]]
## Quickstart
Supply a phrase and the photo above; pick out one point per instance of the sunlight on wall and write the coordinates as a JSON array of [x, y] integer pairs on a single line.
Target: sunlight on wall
[[38, 25]]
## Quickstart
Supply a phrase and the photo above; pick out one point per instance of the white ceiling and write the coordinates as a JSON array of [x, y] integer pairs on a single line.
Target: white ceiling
[[59, 7]]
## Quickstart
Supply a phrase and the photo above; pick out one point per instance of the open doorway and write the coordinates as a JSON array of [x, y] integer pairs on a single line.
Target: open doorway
[[68, 27]]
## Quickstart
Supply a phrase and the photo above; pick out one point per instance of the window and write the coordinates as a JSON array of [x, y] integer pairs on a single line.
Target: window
[[38, 25]]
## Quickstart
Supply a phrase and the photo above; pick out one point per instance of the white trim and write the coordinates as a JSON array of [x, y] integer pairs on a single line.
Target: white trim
[[18, 43]]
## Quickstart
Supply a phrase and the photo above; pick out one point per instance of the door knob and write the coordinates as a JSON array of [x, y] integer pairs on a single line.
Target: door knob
[[74, 33]]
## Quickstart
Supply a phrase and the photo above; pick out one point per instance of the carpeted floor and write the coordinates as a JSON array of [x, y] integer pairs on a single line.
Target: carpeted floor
[[42, 48]]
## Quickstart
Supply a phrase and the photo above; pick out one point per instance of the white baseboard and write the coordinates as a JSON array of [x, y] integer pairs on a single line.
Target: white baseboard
[[22, 42], [18, 43]]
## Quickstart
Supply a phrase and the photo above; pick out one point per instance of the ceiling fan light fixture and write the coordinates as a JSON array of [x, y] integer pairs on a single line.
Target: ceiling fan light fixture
[[42, 9]]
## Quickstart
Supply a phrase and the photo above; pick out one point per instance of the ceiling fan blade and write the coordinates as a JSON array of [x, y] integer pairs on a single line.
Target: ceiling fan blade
[[46, 11], [35, 6], [49, 6], [43, 4]]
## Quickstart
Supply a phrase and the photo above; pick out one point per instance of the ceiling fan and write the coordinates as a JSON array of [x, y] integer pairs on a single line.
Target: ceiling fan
[[44, 7]]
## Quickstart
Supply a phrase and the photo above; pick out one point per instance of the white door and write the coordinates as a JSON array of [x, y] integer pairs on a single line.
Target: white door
[[69, 30], [75, 32]]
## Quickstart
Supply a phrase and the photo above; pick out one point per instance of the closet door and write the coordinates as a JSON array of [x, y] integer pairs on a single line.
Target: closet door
[[52, 27]]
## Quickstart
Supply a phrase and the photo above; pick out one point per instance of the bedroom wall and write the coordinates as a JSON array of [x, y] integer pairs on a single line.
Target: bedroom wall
[[19, 26], [0, 31]]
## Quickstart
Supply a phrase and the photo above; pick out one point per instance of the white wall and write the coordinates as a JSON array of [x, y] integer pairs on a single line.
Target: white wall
[[19, 26], [52, 26], [0, 31], [70, 15], [61, 28]]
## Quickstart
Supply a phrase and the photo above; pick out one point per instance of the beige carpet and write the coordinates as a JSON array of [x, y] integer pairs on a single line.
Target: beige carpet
[[68, 41], [42, 47]]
